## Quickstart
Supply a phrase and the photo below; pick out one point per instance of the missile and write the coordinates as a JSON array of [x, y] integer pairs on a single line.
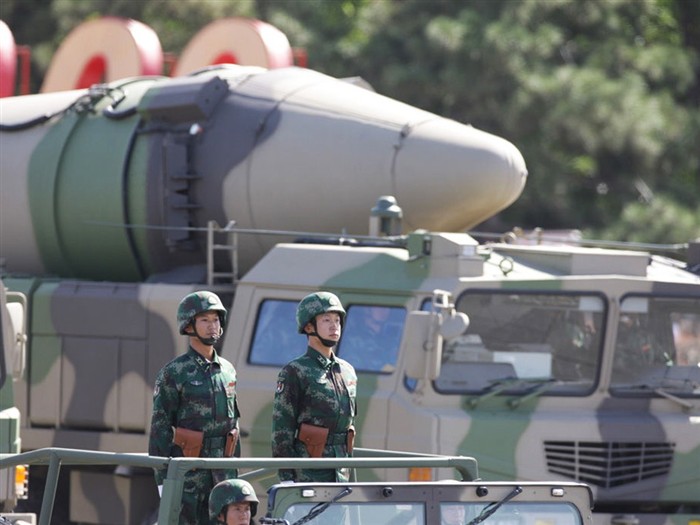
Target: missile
[[118, 182]]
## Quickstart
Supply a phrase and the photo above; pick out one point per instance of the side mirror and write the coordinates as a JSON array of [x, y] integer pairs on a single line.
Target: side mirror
[[453, 325], [422, 345], [425, 333], [13, 327]]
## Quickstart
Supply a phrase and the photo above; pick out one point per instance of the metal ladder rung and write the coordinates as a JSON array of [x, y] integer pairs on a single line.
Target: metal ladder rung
[[213, 229], [222, 274]]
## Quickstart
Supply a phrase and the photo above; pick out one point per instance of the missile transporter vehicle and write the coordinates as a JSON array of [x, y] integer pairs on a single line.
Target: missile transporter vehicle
[[463, 500], [545, 361], [575, 365]]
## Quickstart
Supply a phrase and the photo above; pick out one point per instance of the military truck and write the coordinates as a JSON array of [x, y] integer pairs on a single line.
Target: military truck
[[579, 362], [465, 498]]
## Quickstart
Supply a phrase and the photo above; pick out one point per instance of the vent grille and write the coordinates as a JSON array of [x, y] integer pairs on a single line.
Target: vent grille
[[608, 464]]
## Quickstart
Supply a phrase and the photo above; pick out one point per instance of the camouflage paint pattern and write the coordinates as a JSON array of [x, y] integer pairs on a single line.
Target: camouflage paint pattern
[[197, 395], [139, 167], [131, 176], [319, 391], [175, 153], [510, 439]]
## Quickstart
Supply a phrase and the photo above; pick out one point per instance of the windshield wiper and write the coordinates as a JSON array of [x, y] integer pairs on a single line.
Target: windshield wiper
[[321, 507], [540, 386], [496, 387], [489, 509], [687, 405], [658, 390]]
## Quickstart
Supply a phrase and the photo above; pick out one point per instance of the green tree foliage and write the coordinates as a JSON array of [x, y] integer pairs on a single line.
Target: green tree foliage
[[326, 29], [662, 220], [595, 93], [601, 96]]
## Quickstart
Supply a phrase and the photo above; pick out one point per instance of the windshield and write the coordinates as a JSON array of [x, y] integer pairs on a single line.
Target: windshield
[[456, 513], [451, 513], [657, 346], [362, 512], [517, 342]]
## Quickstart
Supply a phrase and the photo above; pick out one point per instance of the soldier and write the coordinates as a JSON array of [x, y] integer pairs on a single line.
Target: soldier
[[314, 407], [195, 412], [232, 502]]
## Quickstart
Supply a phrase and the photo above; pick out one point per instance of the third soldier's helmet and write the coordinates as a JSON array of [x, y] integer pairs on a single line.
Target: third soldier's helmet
[[315, 304], [231, 491], [196, 303]]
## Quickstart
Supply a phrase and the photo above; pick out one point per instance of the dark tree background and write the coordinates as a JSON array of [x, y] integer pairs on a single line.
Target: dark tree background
[[602, 97]]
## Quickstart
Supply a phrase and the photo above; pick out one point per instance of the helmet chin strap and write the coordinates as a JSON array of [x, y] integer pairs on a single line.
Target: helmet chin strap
[[209, 341], [328, 343]]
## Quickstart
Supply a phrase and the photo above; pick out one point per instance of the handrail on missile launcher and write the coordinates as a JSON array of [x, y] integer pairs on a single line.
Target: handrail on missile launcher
[[230, 243], [177, 468], [538, 236]]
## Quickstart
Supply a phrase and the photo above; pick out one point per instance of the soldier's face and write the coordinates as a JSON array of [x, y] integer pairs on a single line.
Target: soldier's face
[[207, 324], [328, 326], [238, 513]]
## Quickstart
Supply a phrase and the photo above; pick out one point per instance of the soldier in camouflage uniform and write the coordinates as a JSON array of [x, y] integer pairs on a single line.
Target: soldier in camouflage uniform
[[316, 391], [196, 391]]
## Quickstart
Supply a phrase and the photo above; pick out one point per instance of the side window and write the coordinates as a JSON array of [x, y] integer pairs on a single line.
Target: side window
[[686, 338], [275, 340], [658, 344], [371, 337], [550, 341], [523, 340]]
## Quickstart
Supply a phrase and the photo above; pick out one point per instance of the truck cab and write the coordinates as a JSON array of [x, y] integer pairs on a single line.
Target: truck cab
[[545, 362], [407, 503], [578, 364]]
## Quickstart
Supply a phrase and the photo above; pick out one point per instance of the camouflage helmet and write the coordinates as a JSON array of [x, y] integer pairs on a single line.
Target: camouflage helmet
[[196, 303], [318, 303], [231, 491]]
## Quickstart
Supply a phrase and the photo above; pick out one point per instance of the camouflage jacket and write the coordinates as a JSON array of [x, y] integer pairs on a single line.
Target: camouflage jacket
[[194, 394], [312, 389]]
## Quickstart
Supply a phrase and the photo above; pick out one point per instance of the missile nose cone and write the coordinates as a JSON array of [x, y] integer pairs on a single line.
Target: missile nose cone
[[467, 174], [333, 138]]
